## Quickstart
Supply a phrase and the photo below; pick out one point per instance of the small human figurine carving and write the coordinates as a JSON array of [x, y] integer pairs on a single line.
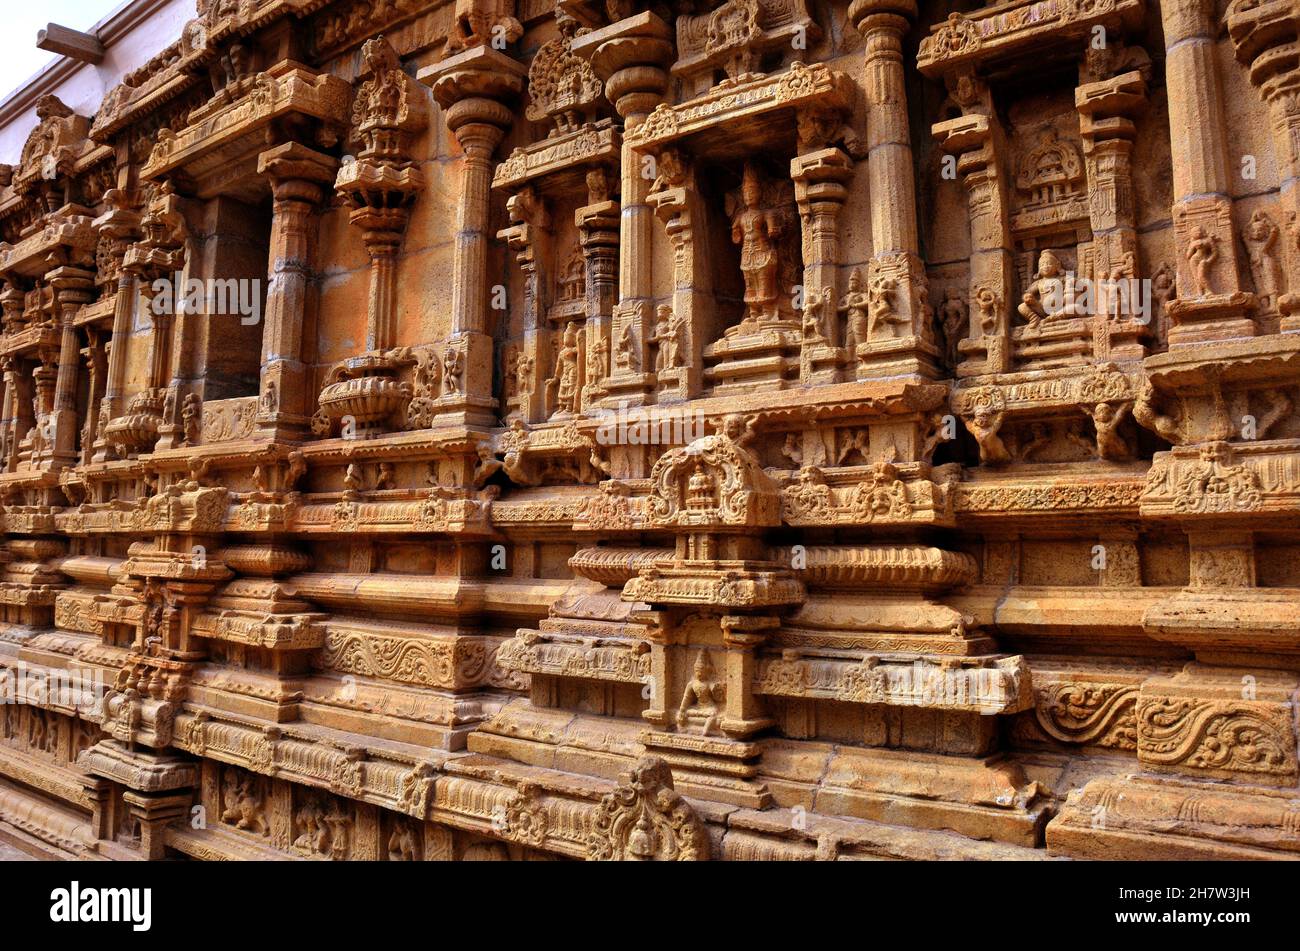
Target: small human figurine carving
[[1262, 237], [984, 424], [488, 464], [986, 304], [855, 305], [1167, 427], [626, 358], [1106, 417], [1039, 437], [703, 697], [1202, 253], [816, 310], [881, 308], [524, 375], [190, 418], [352, 480], [954, 318], [453, 364]]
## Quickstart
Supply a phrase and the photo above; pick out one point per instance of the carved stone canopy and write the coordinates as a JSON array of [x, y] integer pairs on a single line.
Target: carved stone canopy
[[563, 89], [712, 483]]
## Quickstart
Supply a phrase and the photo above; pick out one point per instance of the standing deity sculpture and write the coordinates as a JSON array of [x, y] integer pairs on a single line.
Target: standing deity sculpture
[[756, 225]]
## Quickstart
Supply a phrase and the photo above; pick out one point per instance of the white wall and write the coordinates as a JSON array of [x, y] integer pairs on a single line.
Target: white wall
[[85, 87]]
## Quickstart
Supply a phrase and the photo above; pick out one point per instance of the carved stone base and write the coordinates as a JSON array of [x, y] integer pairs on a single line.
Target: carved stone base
[[1219, 317], [899, 357], [712, 767], [1146, 817]]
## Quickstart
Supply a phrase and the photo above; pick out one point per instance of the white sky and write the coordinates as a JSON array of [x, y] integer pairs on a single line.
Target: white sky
[[19, 57]]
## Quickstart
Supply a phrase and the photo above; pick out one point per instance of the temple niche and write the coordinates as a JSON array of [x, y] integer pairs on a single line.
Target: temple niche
[[730, 430]]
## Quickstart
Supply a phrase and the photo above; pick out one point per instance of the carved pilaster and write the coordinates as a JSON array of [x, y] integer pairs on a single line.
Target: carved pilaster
[[820, 180], [972, 139], [73, 287], [1106, 109], [911, 348], [631, 57], [473, 88], [1211, 304], [298, 176]]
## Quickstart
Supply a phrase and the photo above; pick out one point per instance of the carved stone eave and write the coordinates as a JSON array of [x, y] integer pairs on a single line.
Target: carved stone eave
[[30, 340], [737, 587], [1248, 623], [556, 164], [1017, 33], [1219, 484], [189, 55], [67, 236], [1260, 27], [992, 686], [769, 106], [145, 772], [1248, 362], [880, 567], [610, 660], [231, 134], [275, 632], [1100, 499]]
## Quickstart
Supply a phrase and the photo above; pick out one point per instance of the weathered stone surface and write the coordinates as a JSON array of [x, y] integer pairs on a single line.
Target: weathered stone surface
[[492, 430]]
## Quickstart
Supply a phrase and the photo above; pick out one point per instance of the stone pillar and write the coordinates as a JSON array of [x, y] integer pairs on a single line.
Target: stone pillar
[[883, 23], [631, 57], [820, 187], [1211, 304], [473, 89], [1105, 117], [73, 288], [677, 202], [9, 414], [94, 357], [972, 140], [1265, 37], [298, 176], [598, 224], [529, 229], [121, 226]]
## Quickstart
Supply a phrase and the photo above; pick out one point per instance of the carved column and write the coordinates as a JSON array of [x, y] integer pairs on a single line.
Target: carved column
[[298, 176], [529, 227], [93, 354], [473, 88], [598, 224], [9, 414], [1266, 37], [73, 288], [119, 226], [1211, 304], [883, 24], [631, 57], [973, 140], [820, 179], [1105, 115], [677, 202], [381, 185]]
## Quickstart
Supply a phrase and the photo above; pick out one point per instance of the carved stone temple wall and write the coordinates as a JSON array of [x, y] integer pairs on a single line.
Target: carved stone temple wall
[[760, 429]]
